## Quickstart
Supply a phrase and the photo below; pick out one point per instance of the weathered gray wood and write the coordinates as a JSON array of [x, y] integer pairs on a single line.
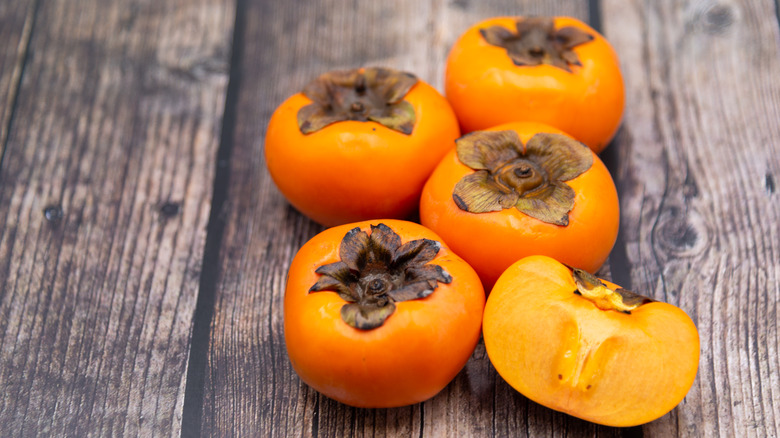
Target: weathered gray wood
[[104, 198], [699, 159], [16, 20], [250, 387]]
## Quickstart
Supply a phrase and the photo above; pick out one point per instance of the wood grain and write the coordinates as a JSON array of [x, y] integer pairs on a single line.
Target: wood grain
[[250, 387], [698, 168], [104, 198], [16, 22]]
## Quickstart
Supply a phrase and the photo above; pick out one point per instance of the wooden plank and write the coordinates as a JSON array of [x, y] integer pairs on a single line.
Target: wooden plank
[[104, 199], [250, 387], [16, 21], [699, 158]]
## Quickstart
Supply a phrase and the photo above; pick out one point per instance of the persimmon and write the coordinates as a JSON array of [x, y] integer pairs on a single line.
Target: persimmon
[[522, 189], [380, 313], [358, 144], [584, 346], [554, 70]]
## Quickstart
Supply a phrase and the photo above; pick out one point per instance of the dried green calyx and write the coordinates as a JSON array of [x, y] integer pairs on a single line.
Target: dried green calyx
[[530, 179], [371, 94], [591, 287], [538, 42], [376, 271]]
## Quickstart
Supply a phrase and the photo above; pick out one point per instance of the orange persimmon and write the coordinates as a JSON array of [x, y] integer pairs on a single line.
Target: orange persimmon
[[358, 144], [380, 313], [522, 189], [554, 70], [586, 347]]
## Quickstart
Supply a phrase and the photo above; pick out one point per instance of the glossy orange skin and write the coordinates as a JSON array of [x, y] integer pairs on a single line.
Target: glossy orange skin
[[486, 88], [409, 359], [563, 352], [490, 242], [351, 171]]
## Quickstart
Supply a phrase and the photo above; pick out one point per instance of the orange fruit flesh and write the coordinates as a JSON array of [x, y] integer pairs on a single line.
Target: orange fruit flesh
[[559, 350]]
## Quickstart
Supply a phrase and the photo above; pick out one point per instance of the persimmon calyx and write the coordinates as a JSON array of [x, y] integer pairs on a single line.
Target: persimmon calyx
[[376, 271], [371, 94], [537, 42], [529, 178], [605, 298]]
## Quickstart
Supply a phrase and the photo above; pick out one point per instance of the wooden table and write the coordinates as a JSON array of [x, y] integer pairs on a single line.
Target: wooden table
[[144, 248]]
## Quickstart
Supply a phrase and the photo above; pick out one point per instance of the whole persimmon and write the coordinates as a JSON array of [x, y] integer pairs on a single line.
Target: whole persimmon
[[580, 345], [554, 70], [380, 313], [358, 144], [521, 189]]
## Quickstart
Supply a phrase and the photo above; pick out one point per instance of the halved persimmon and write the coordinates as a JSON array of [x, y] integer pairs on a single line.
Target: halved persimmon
[[358, 144], [554, 70], [580, 345], [380, 313], [522, 189]]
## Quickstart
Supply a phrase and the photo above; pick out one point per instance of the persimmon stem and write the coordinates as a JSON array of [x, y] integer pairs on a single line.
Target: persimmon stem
[[376, 271], [364, 95], [523, 172], [536, 41], [528, 177], [605, 298]]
